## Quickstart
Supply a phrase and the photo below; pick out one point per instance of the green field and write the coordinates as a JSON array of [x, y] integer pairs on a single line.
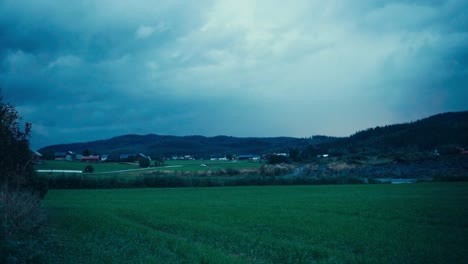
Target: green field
[[197, 165], [414, 223], [170, 165], [76, 165]]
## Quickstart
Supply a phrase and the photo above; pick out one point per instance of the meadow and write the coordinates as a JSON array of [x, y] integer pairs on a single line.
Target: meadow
[[411, 223], [170, 165], [203, 165], [100, 167]]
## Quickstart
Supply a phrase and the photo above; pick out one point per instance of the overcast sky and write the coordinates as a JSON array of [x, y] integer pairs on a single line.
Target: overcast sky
[[87, 70]]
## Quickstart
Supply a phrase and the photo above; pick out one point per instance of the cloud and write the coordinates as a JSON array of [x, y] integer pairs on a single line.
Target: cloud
[[65, 61], [97, 69], [144, 32]]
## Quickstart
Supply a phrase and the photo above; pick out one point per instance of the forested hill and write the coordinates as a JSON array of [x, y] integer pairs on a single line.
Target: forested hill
[[161, 145], [439, 131], [442, 131]]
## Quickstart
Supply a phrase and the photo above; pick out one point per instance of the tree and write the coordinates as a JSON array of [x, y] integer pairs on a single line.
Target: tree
[[48, 155], [86, 152], [231, 156], [295, 154], [16, 168], [88, 169], [158, 162], [276, 159], [144, 162]]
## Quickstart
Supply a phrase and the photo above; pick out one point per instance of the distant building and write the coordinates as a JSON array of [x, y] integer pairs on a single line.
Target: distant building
[[60, 155], [127, 157], [92, 158], [141, 156], [104, 157], [462, 151], [268, 156], [184, 157], [133, 157], [218, 157], [248, 157], [37, 157], [67, 155]]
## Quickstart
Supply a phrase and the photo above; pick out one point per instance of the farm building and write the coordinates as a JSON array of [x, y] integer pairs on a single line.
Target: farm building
[[133, 157], [37, 157], [184, 157], [248, 157], [462, 151], [66, 155], [267, 156], [90, 159], [141, 156], [127, 157], [218, 157], [104, 157]]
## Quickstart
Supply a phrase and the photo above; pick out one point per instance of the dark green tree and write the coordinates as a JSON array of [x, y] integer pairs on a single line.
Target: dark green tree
[[158, 162], [276, 159], [86, 152], [144, 163], [88, 169], [48, 155], [295, 155], [16, 168]]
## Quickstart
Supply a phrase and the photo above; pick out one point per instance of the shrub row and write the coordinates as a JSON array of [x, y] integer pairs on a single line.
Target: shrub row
[[180, 180], [451, 178]]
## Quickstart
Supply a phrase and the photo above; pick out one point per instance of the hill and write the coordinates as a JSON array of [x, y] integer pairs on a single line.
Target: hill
[[442, 131], [162, 145]]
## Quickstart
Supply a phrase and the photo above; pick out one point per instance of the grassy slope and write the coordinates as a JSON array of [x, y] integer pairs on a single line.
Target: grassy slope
[[419, 223]]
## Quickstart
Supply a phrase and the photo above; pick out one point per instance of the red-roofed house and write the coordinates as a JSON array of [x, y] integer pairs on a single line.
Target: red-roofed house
[[140, 156], [90, 159]]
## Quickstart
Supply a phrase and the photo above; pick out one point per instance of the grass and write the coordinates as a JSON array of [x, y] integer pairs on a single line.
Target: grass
[[417, 223], [196, 165], [76, 165], [170, 165]]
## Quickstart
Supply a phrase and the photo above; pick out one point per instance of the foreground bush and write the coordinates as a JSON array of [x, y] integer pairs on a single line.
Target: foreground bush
[[16, 164], [21, 220]]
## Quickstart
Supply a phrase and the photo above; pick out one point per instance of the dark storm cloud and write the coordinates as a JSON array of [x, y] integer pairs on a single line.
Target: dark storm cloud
[[94, 69]]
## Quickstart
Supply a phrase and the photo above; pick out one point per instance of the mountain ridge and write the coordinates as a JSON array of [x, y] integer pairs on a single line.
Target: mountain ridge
[[445, 129]]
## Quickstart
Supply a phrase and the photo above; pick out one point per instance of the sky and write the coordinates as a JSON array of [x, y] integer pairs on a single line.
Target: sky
[[88, 70]]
